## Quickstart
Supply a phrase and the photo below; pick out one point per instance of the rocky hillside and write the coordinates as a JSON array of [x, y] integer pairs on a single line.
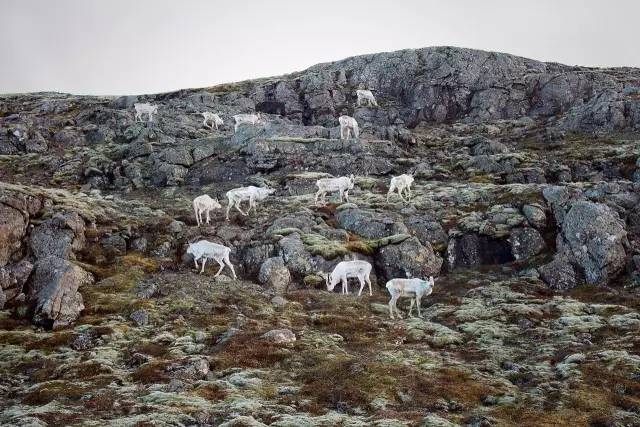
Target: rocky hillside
[[526, 206]]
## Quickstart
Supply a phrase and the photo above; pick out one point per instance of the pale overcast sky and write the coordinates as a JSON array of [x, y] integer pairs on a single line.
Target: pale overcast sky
[[113, 47]]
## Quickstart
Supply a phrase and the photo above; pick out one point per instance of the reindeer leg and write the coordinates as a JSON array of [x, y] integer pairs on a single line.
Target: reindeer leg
[[226, 260], [361, 280], [221, 267]]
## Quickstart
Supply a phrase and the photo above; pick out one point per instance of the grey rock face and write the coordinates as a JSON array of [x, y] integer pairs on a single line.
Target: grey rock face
[[594, 238], [300, 220], [526, 242], [535, 215], [114, 245], [274, 274], [408, 259], [13, 227], [560, 199], [58, 236], [559, 274], [253, 255], [12, 279], [53, 291], [486, 146], [167, 174], [427, 231], [295, 256], [470, 250], [140, 317], [369, 224]]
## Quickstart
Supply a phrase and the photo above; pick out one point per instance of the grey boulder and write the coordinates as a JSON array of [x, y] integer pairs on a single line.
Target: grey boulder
[[526, 242], [369, 224], [535, 215], [594, 237], [407, 259], [58, 236], [275, 274], [13, 227], [559, 274], [53, 292]]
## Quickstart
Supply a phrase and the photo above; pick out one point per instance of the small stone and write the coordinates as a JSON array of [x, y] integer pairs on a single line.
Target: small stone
[[200, 336], [176, 227], [278, 301], [81, 342], [274, 274], [138, 359], [279, 336], [140, 317]]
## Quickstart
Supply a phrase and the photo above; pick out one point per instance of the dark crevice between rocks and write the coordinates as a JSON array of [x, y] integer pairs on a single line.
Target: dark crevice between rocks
[[472, 250]]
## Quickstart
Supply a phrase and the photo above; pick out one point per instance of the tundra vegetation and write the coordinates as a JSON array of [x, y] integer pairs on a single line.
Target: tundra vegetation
[[524, 206]]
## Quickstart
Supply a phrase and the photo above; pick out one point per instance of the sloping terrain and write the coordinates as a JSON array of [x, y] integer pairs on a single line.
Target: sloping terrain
[[525, 206]]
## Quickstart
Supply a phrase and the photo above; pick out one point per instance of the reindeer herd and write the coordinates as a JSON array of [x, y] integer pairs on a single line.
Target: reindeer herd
[[413, 288], [348, 125]]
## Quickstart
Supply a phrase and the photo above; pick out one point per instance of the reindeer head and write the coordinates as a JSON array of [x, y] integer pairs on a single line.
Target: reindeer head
[[190, 250], [352, 180], [330, 283], [430, 282]]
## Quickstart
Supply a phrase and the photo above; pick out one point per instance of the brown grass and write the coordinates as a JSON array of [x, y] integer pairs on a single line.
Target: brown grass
[[57, 390], [247, 350], [348, 382], [152, 372], [39, 370], [591, 402], [211, 392], [357, 331], [151, 349], [53, 341], [102, 402]]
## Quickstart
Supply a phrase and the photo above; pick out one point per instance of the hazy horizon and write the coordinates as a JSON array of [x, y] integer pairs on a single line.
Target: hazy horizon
[[120, 47]]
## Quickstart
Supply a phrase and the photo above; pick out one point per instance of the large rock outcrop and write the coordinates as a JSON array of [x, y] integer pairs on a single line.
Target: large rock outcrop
[[443, 83], [408, 259], [274, 274], [594, 237], [53, 291], [369, 224], [13, 226], [59, 236], [12, 279]]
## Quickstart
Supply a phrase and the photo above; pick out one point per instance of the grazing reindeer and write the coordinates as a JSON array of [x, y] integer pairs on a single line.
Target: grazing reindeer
[[205, 250], [346, 269], [412, 288]]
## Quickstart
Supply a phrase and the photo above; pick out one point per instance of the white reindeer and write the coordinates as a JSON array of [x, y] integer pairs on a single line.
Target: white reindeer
[[204, 204], [250, 193], [145, 108], [366, 96], [205, 250], [252, 119], [342, 185], [402, 184], [412, 288], [346, 269], [212, 118], [348, 126]]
